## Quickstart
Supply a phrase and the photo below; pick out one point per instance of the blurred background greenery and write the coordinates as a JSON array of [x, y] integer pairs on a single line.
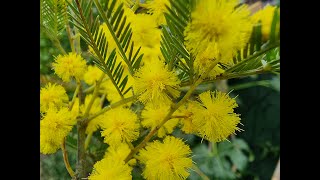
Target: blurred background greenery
[[252, 154]]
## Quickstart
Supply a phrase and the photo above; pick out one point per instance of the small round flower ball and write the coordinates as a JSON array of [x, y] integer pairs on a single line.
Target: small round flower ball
[[92, 75], [70, 65], [157, 8], [214, 118], [218, 29], [53, 95], [54, 127], [187, 111], [119, 125], [119, 152], [265, 15], [110, 169], [145, 31], [155, 83], [152, 116], [169, 160]]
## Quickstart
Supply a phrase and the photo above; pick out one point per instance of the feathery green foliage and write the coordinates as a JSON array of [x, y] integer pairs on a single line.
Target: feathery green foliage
[[120, 30], [53, 17], [81, 16]]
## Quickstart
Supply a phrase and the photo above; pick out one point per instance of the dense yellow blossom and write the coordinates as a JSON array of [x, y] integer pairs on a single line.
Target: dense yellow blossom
[[153, 115], [92, 75], [155, 83], [214, 118], [111, 169], [119, 152], [157, 8], [53, 95], [169, 160], [187, 124], [147, 35], [54, 127], [151, 54], [217, 31], [119, 125], [145, 31], [202, 62], [71, 65], [266, 16]]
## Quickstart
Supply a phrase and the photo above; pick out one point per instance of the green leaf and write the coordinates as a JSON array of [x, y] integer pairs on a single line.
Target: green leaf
[[172, 47], [229, 160], [93, 35], [121, 36], [53, 17]]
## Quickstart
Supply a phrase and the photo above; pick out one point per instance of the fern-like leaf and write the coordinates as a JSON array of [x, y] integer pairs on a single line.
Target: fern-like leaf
[[91, 33], [121, 32], [53, 17], [172, 38]]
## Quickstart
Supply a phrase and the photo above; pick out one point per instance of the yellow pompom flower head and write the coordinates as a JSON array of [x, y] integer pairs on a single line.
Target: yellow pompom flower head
[[153, 115], [119, 152], [157, 8], [154, 82], [53, 95], [218, 29], [70, 65], [54, 127], [92, 75], [169, 160], [119, 125], [111, 169], [214, 117]]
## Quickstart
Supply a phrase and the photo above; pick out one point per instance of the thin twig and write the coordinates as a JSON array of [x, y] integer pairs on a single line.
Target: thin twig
[[200, 173], [107, 108], [65, 158]]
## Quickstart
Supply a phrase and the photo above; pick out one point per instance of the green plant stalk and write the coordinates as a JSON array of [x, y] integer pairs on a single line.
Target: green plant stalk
[[173, 108], [70, 37], [87, 142], [214, 150], [81, 154], [74, 96], [106, 20], [230, 76], [84, 141], [200, 173], [86, 120], [57, 43], [65, 158], [91, 88], [94, 95], [264, 83]]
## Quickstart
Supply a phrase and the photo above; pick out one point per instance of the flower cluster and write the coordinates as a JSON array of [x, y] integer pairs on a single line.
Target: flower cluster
[[152, 105]]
